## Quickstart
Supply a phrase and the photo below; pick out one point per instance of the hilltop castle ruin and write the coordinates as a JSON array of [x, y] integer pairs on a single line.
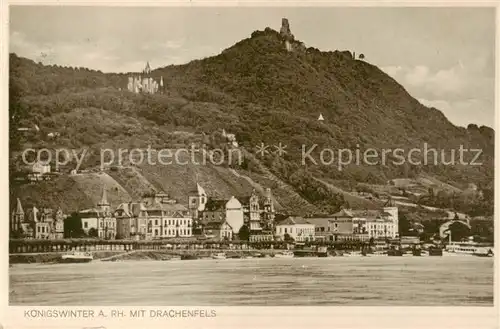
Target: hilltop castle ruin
[[145, 83], [290, 43]]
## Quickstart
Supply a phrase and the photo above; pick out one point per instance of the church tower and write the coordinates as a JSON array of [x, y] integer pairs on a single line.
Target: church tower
[[17, 217], [197, 200], [104, 206]]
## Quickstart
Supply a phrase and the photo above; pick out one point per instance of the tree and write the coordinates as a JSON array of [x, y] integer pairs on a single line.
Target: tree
[[288, 238], [73, 226], [404, 225], [93, 233], [244, 233], [425, 237], [459, 231]]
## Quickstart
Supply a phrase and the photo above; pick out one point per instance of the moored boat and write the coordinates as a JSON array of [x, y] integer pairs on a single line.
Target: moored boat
[[467, 249], [219, 255], [284, 254], [322, 252], [394, 252], [483, 252], [77, 257], [435, 251], [353, 254]]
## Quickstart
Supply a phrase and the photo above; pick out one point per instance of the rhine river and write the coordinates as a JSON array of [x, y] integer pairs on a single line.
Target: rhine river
[[356, 281]]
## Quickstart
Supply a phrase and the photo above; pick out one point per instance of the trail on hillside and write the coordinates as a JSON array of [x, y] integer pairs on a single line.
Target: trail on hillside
[[354, 201], [288, 196], [257, 186]]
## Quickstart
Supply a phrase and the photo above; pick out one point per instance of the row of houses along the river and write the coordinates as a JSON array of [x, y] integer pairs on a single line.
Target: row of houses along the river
[[158, 216]]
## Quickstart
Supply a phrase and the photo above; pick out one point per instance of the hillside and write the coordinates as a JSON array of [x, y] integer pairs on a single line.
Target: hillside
[[260, 92]]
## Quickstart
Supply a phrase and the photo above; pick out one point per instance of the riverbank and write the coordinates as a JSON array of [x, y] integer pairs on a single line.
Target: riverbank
[[138, 255]]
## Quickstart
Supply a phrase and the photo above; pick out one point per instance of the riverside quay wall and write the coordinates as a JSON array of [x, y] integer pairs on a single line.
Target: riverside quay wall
[[25, 246], [45, 246]]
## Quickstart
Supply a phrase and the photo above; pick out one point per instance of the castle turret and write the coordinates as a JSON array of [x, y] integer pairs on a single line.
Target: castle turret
[[147, 69]]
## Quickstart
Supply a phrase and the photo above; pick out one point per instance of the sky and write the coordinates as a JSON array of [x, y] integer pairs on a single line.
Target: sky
[[444, 57]]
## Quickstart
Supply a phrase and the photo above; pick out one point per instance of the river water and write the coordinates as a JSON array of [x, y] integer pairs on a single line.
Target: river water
[[357, 281]]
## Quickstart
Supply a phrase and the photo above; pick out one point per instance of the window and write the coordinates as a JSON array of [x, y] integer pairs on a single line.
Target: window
[[156, 221], [85, 225]]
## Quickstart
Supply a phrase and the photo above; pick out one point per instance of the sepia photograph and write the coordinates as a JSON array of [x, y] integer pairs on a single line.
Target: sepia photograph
[[250, 156]]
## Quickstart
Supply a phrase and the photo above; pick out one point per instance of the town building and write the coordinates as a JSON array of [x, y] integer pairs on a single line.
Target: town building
[[101, 219], [380, 227], [39, 171], [297, 228], [234, 214], [37, 223], [217, 212], [259, 215], [167, 218], [156, 216], [252, 212], [357, 225], [219, 230], [391, 209], [40, 223], [131, 221]]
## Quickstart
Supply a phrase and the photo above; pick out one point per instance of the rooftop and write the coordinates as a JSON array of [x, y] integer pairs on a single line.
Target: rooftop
[[294, 220]]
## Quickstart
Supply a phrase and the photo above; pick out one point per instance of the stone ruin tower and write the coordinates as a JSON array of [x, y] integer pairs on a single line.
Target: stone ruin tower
[[285, 30], [286, 34]]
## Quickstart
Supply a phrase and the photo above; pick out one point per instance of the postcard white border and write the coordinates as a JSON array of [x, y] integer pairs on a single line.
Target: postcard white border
[[248, 317]]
